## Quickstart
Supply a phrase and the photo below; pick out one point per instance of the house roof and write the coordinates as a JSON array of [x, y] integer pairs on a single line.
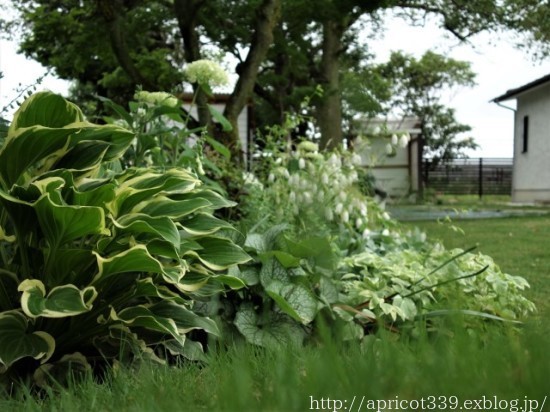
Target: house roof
[[512, 93]]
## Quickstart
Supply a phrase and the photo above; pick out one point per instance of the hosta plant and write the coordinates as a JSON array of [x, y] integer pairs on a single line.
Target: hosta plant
[[97, 265]]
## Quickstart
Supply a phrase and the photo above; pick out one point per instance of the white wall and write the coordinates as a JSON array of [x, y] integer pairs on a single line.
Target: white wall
[[531, 178]]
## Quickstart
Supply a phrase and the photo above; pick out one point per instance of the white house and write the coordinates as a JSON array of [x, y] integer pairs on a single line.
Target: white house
[[399, 174], [531, 176]]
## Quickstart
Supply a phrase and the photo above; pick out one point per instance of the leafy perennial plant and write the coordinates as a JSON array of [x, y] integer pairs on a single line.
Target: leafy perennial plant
[[97, 265]]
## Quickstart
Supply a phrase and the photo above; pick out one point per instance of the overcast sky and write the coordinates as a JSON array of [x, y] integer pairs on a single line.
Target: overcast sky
[[499, 67]]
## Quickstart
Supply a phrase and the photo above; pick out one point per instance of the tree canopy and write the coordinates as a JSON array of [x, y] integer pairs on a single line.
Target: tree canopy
[[284, 48]]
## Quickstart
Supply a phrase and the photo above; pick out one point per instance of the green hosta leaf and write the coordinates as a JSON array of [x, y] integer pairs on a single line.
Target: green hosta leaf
[[175, 209], [204, 224], [71, 265], [216, 200], [62, 224], [88, 195], [46, 109], [62, 301], [136, 259], [295, 300], [137, 185], [148, 288], [233, 282], [141, 316], [84, 156], [21, 213], [186, 320], [17, 342], [219, 253], [4, 237], [271, 329], [139, 224]]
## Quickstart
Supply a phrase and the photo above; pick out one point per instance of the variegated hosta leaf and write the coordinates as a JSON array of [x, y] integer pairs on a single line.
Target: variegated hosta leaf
[[137, 185], [62, 223], [141, 316], [185, 319], [68, 367], [216, 200], [175, 209], [61, 301], [139, 224], [52, 126], [219, 253], [46, 109], [203, 224], [4, 237], [17, 341], [139, 260], [147, 288]]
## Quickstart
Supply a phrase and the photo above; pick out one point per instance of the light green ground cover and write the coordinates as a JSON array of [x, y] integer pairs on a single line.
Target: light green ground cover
[[519, 245]]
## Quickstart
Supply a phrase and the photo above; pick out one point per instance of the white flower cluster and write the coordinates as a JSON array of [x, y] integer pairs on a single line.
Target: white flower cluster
[[157, 98], [322, 185], [397, 141], [206, 72]]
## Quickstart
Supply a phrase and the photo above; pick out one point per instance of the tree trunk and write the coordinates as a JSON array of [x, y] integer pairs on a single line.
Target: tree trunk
[[267, 16], [112, 11], [329, 108]]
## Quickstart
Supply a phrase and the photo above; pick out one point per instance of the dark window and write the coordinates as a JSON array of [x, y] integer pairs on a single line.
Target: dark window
[[525, 134]]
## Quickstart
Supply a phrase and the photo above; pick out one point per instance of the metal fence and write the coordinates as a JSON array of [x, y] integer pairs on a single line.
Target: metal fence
[[481, 176]]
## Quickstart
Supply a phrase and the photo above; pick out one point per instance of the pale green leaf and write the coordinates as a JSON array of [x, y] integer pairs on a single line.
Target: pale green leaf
[[271, 330]]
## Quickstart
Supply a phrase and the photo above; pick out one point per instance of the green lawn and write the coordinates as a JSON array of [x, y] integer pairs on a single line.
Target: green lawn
[[519, 245]]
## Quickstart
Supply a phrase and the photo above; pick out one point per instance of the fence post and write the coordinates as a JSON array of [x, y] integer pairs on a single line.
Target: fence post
[[480, 178]]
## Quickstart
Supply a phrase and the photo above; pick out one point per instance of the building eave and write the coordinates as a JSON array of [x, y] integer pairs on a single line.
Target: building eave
[[512, 93]]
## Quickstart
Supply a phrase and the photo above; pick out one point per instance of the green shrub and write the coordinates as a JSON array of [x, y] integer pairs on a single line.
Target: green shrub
[[99, 265]]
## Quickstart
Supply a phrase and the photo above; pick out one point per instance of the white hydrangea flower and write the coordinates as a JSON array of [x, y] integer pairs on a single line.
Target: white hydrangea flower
[[394, 140], [385, 232], [358, 223], [366, 233], [271, 178], [157, 98], [301, 163], [324, 179], [206, 72], [389, 149], [339, 207], [328, 214], [356, 159], [385, 216], [343, 196]]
